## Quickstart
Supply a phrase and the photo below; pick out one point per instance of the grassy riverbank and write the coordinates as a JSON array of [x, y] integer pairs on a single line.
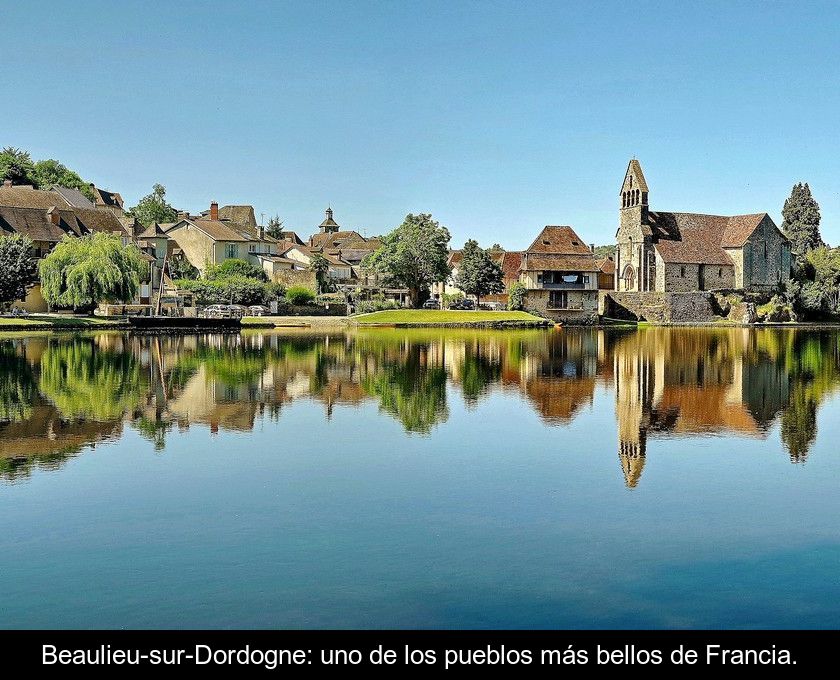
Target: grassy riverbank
[[431, 317]]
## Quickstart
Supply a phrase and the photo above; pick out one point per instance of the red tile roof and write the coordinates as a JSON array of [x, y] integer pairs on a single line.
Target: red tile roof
[[691, 238], [559, 240]]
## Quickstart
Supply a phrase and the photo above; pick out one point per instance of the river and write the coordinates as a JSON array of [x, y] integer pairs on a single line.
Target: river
[[637, 478]]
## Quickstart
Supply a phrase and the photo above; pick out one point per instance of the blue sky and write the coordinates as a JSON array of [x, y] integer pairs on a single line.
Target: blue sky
[[496, 117]]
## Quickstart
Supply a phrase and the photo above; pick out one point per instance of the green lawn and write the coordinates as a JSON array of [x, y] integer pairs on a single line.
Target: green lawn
[[48, 321], [435, 316]]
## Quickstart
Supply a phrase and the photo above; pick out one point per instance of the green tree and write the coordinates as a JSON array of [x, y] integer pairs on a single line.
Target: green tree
[[275, 227], [81, 272], [516, 296], [604, 251], [154, 208], [413, 256], [478, 273], [321, 268], [235, 267], [181, 268], [801, 222], [18, 267], [16, 165], [50, 171]]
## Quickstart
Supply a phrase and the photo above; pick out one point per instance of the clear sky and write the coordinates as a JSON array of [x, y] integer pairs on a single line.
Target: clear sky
[[496, 117]]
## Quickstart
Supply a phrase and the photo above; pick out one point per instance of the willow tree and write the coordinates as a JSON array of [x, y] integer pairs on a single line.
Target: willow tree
[[82, 272]]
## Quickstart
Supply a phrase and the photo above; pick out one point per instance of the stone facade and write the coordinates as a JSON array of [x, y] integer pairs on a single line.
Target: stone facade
[[657, 307], [685, 252], [581, 305]]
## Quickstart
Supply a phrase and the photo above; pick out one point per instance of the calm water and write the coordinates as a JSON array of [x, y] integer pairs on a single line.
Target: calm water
[[650, 478]]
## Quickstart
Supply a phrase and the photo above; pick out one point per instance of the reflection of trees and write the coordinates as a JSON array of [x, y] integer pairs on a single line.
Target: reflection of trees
[[17, 385], [84, 381], [408, 387], [479, 371], [812, 362]]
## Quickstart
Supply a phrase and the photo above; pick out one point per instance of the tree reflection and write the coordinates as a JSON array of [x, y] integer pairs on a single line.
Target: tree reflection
[[85, 381], [61, 394]]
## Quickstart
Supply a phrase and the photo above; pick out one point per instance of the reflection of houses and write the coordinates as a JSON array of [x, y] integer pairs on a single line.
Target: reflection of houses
[[695, 382]]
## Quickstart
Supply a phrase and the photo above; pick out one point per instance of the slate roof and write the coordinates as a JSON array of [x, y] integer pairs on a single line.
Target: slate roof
[[73, 197], [110, 199], [692, 238]]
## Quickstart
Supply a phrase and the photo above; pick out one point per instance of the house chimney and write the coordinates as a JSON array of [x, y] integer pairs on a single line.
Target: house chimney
[[262, 233], [52, 213], [214, 211], [183, 215], [592, 247]]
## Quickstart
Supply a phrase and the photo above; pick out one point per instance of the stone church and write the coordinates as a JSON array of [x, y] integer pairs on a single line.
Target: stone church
[[673, 252]]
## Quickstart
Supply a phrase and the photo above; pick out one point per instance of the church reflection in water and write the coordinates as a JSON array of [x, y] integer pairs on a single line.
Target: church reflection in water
[[60, 394]]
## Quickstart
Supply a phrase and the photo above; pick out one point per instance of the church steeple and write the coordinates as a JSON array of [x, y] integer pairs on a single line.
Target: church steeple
[[329, 225], [634, 189]]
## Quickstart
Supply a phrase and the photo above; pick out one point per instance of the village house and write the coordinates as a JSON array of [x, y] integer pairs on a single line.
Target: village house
[[210, 240], [507, 260], [686, 252], [560, 273], [110, 200], [46, 217]]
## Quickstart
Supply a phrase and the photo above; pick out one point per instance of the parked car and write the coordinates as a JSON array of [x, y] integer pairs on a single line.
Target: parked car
[[431, 304], [465, 304], [257, 310], [216, 311], [237, 311]]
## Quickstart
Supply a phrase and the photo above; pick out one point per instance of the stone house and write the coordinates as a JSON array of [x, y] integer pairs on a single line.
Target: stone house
[[672, 252], [560, 273], [211, 240], [46, 217], [110, 200]]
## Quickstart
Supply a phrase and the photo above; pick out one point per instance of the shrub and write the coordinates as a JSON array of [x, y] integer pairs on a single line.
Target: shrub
[[300, 295], [239, 290], [235, 267], [449, 298], [516, 296], [374, 305], [775, 311]]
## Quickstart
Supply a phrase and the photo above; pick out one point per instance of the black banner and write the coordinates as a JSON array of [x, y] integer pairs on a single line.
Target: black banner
[[303, 652]]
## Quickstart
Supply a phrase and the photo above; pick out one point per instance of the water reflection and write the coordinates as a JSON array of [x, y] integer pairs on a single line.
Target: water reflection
[[60, 394]]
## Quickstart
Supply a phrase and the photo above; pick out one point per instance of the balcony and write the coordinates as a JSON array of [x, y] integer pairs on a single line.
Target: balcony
[[562, 286]]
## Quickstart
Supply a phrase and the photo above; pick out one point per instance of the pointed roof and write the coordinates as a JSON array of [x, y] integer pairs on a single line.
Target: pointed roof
[[634, 170], [154, 230], [329, 224]]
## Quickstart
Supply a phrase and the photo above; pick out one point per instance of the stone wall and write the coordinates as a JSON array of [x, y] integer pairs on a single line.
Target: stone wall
[[296, 277], [690, 278], [582, 306], [766, 258], [659, 307]]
